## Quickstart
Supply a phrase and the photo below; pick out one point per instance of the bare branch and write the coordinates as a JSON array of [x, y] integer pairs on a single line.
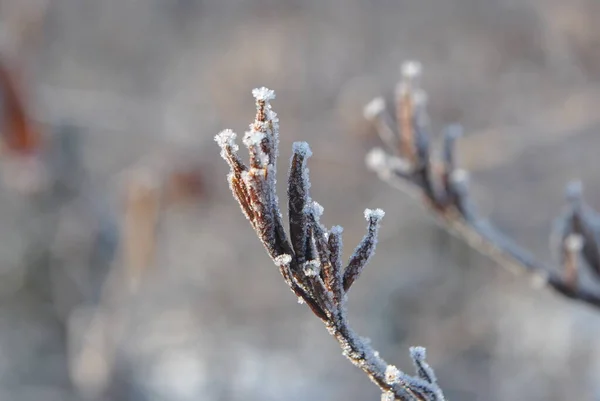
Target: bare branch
[[311, 265], [443, 189]]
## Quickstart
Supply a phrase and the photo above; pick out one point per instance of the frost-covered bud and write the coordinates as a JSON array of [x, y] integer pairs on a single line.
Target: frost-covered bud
[[392, 375], [283, 260], [387, 396], [302, 149], [365, 249], [317, 209], [374, 108], [263, 94], [253, 141], [312, 268], [376, 214], [226, 139]]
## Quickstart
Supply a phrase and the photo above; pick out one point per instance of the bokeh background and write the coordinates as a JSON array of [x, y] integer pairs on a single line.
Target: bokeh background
[[147, 80]]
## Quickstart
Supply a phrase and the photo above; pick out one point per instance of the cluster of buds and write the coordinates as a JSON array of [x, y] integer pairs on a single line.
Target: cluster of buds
[[443, 188], [310, 260]]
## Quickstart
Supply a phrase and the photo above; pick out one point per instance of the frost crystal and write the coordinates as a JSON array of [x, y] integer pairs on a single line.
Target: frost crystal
[[302, 149], [387, 396], [283, 260], [392, 374], [374, 108], [337, 230], [253, 138], [263, 94], [376, 214], [317, 209], [312, 268], [226, 138]]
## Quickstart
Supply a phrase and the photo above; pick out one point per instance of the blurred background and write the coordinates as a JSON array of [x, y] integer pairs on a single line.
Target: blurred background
[[128, 272]]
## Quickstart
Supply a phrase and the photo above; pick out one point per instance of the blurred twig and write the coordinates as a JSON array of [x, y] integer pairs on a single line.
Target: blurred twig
[[442, 188]]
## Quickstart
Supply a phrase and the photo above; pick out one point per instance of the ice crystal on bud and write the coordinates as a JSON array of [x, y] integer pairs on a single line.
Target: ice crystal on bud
[[263, 94], [226, 138], [283, 260], [312, 268], [316, 209], [376, 214], [392, 374], [387, 396], [253, 138], [302, 149], [374, 108]]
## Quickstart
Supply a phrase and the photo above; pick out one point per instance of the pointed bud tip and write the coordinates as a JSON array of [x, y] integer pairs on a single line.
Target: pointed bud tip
[[418, 353], [302, 149], [283, 260]]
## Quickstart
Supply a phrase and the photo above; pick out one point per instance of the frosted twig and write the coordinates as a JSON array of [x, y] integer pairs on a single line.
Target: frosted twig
[[442, 188], [310, 262]]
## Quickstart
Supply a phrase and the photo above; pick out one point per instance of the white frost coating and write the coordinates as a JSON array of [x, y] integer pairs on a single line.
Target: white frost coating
[[253, 138], [227, 138], [418, 353], [302, 148], [376, 214], [459, 176], [312, 268], [337, 230], [387, 396], [317, 209], [283, 260], [392, 374], [574, 242], [411, 69], [300, 300], [374, 108], [263, 94]]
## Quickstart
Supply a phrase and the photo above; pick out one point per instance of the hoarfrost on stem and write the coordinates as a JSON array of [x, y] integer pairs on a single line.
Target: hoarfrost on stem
[[310, 260]]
